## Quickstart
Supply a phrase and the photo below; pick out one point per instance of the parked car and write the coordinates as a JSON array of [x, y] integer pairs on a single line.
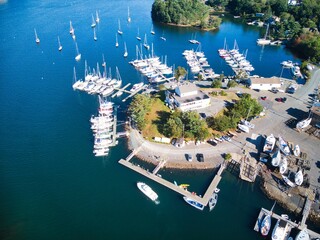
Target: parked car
[[189, 157], [264, 98], [200, 157], [278, 99], [274, 90], [227, 138]]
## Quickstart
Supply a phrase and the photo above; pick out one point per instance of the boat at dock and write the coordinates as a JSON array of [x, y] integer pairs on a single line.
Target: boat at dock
[[303, 235], [265, 225], [136, 87], [146, 190], [280, 230], [184, 185], [194, 203], [213, 201], [264, 40], [269, 143]]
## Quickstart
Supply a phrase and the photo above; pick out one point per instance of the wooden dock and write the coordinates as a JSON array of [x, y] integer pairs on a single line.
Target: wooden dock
[[153, 176], [114, 135], [121, 90], [135, 92], [305, 213], [264, 211]]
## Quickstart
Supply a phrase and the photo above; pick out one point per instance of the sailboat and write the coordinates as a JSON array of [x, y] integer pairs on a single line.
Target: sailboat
[[296, 150], [152, 31], [283, 165], [298, 178], [103, 61], [276, 158], [37, 38], [266, 222], [78, 56], [117, 44], [162, 37], [264, 41], [71, 29], [129, 18], [97, 17], [138, 36], [94, 35], [303, 235], [125, 50], [213, 201], [193, 40], [93, 24], [145, 43], [60, 46], [283, 146], [304, 123], [119, 27]]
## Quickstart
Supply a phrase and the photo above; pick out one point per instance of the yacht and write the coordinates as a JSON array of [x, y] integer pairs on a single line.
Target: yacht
[[194, 203], [303, 235], [213, 201], [136, 86], [269, 143], [148, 191], [279, 231]]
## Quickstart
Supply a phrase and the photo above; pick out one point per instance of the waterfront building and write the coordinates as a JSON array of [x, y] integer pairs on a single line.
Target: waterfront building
[[260, 83], [187, 97], [315, 110]]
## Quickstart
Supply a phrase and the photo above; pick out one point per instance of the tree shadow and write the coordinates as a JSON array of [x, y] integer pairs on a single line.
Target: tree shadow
[[162, 119]]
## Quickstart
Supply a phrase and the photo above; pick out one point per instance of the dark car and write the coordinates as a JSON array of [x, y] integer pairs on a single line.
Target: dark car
[[264, 98], [278, 99], [200, 157], [284, 99]]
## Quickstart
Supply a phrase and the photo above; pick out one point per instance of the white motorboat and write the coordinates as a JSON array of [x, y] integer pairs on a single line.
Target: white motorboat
[[269, 143], [243, 128], [136, 86], [37, 38], [284, 146], [303, 235], [213, 201], [287, 181], [265, 225], [283, 165], [298, 178], [296, 150], [248, 124], [276, 158], [304, 123], [145, 189], [194, 203], [287, 64], [279, 231]]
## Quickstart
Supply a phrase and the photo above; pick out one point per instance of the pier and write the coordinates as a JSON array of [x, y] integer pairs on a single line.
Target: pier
[[135, 92], [123, 89], [300, 226], [153, 176]]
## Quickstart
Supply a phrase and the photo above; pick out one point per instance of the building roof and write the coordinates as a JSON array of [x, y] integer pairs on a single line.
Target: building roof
[[261, 80], [196, 97], [187, 87], [316, 108]]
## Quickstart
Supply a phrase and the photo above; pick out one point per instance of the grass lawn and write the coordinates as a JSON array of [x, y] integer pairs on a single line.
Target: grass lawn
[[155, 119]]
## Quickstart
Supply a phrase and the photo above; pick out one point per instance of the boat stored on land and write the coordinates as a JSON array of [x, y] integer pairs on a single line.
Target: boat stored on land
[[296, 150], [269, 143], [284, 146], [276, 158], [304, 123], [194, 203], [298, 178], [148, 191]]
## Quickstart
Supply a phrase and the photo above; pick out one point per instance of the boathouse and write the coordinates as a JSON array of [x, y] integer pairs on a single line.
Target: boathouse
[[187, 97], [260, 83]]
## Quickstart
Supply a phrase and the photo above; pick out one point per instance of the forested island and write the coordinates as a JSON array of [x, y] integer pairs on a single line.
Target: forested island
[[295, 22]]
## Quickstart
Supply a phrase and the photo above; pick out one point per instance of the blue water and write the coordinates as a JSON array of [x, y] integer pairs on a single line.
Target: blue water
[[52, 187]]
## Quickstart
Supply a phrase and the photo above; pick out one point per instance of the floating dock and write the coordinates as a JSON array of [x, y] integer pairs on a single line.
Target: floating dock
[[153, 176]]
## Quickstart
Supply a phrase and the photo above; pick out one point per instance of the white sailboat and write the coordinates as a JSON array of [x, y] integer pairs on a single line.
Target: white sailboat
[[125, 50], [138, 36], [93, 24], [78, 56], [276, 158], [103, 61], [117, 44], [37, 38], [283, 165], [119, 27], [303, 235], [296, 150], [162, 37], [145, 43], [264, 41], [243, 128], [60, 46], [269, 143], [152, 31], [97, 17], [193, 40], [94, 35], [71, 29], [298, 178], [304, 123], [129, 18], [283, 146]]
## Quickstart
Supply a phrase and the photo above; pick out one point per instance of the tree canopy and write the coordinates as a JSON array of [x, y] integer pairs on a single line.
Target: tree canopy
[[138, 109]]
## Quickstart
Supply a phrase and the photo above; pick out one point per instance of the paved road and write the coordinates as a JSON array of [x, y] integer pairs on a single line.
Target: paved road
[[277, 114]]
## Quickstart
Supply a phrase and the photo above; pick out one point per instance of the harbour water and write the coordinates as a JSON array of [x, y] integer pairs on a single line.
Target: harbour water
[[52, 186]]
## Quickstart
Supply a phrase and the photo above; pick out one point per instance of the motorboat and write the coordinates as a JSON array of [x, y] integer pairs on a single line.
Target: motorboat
[[287, 64], [136, 86], [213, 201], [298, 178], [283, 165], [248, 124], [243, 128], [146, 190], [296, 150], [269, 143], [279, 231], [194, 203], [304, 123], [303, 235], [276, 158], [283, 146], [265, 225]]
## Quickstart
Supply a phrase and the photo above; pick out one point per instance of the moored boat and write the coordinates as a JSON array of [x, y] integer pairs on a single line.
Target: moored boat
[[145, 189], [265, 225], [279, 231], [269, 143], [194, 203], [303, 235], [213, 201]]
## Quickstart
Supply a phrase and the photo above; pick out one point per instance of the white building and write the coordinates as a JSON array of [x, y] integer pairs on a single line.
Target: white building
[[187, 97], [260, 83]]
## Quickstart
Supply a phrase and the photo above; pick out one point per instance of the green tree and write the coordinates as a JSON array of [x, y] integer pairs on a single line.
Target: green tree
[[216, 83], [231, 84], [138, 109], [173, 127], [180, 72]]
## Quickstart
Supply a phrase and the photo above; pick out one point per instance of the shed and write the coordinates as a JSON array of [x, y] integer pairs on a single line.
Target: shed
[[260, 83]]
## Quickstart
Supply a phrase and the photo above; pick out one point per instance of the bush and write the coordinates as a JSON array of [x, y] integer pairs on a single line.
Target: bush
[[223, 93], [227, 156]]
